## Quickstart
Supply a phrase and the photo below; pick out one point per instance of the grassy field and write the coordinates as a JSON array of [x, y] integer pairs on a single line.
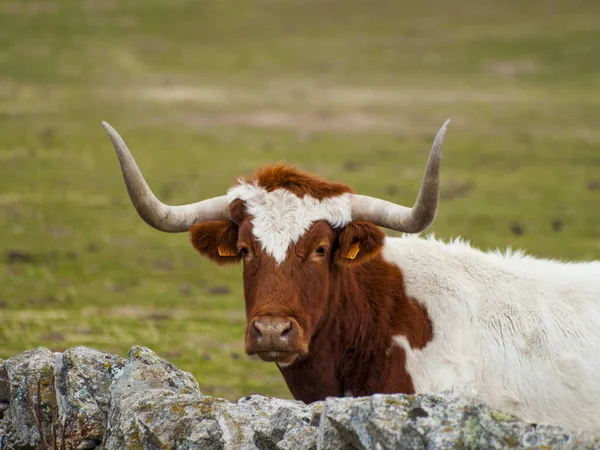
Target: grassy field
[[206, 91]]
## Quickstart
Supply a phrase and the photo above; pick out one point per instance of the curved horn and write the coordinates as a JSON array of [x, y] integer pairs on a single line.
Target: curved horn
[[172, 219], [401, 218]]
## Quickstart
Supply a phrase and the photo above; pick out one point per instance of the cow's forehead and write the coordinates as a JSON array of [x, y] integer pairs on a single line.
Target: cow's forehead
[[280, 217]]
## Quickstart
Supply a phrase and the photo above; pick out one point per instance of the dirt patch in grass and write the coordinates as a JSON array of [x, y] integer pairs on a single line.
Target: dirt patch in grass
[[322, 95], [79, 199], [139, 313], [305, 122], [309, 108], [511, 68], [29, 8]]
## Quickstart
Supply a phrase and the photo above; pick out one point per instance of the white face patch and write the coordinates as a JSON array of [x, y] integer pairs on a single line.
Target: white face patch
[[280, 217]]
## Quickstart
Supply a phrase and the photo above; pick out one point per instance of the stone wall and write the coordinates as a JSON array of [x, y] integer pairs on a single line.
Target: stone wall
[[87, 399]]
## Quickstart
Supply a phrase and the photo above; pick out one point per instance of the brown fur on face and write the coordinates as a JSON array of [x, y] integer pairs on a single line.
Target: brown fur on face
[[208, 237], [237, 211], [296, 289], [348, 312], [353, 352], [283, 176], [358, 242]]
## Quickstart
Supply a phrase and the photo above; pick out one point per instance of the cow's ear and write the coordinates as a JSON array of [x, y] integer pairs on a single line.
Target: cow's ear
[[358, 242], [216, 240]]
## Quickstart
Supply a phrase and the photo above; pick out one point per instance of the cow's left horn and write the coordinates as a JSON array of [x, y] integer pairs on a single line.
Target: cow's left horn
[[401, 218], [172, 219]]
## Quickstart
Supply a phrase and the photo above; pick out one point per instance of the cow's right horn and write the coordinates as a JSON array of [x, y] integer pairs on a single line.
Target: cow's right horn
[[172, 219], [401, 218]]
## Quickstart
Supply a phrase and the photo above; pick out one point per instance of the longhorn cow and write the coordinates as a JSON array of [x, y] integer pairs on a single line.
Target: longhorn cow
[[344, 310]]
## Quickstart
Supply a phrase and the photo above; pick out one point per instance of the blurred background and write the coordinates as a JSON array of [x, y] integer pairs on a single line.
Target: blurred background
[[205, 91]]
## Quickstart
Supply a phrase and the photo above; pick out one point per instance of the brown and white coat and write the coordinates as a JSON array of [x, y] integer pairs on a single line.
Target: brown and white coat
[[344, 310]]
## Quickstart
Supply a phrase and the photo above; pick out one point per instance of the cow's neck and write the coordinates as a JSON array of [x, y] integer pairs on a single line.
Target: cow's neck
[[353, 352]]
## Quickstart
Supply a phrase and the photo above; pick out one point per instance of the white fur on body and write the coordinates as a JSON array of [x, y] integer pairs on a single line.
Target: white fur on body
[[524, 333]]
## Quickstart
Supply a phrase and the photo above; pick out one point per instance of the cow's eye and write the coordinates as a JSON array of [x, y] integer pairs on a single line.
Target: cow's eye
[[244, 252], [320, 251]]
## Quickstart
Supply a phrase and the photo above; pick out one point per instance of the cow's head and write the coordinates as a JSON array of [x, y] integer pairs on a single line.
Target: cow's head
[[292, 232]]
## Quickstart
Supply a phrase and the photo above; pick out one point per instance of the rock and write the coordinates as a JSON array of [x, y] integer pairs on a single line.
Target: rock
[[144, 380], [144, 370], [261, 422], [441, 421], [6, 431], [174, 420], [5, 416], [26, 372], [167, 420], [305, 438], [4, 383], [344, 424], [83, 378], [154, 405], [146, 402]]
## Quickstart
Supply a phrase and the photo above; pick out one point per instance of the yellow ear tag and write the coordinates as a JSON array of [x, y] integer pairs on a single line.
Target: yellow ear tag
[[225, 251], [352, 251]]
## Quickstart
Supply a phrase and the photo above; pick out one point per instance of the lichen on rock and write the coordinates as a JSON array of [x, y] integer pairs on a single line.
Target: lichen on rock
[[4, 383], [29, 376], [83, 378], [145, 402]]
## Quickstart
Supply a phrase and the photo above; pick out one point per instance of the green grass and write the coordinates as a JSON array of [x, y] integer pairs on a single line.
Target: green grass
[[206, 91]]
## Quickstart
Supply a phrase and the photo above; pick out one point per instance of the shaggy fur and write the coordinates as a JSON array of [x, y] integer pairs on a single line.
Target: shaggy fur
[[280, 217], [283, 176], [208, 237], [410, 314], [345, 311], [524, 333]]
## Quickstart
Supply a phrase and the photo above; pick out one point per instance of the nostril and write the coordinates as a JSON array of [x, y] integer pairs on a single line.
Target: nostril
[[256, 329], [287, 329]]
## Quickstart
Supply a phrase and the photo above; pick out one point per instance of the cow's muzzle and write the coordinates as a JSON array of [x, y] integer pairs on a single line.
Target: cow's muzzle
[[275, 339]]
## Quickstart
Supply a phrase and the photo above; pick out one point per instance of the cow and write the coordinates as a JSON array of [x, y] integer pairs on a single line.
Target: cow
[[344, 310]]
